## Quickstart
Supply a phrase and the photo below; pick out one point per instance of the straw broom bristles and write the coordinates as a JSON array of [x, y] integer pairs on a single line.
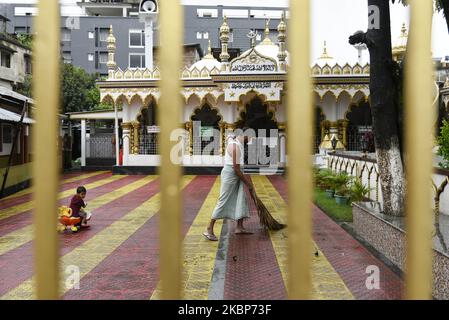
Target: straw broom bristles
[[266, 219]]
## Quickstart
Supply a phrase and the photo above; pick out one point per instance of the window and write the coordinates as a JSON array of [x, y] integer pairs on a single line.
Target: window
[[66, 35], [101, 36], [136, 38], [5, 59], [104, 34], [7, 133], [137, 60], [28, 68], [103, 57], [231, 36], [21, 30], [235, 13], [207, 13], [91, 35], [202, 35], [90, 57], [25, 11], [67, 56], [263, 14]]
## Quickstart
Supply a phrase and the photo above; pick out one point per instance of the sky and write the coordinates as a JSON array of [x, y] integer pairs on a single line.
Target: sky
[[334, 21]]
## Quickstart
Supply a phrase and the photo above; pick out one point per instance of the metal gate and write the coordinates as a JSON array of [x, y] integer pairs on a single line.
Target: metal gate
[[419, 126], [101, 146]]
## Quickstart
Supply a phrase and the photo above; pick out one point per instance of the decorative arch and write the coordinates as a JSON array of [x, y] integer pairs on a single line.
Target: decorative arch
[[361, 94], [122, 98], [134, 98], [206, 138], [209, 95], [148, 99], [319, 118], [108, 99], [257, 114], [359, 120], [192, 95], [342, 94]]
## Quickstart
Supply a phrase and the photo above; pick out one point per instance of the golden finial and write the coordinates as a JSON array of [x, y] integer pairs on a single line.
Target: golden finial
[[282, 55], [111, 38], [404, 30], [267, 40], [209, 52], [224, 38], [267, 27], [325, 55], [224, 27], [282, 27], [111, 52]]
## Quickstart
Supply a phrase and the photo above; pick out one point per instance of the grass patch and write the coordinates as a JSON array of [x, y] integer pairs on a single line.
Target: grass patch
[[341, 213]]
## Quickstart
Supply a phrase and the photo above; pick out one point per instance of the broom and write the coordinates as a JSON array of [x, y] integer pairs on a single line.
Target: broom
[[266, 219]]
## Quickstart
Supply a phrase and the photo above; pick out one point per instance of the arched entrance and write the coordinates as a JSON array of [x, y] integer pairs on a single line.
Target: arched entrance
[[319, 118], [360, 126], [148, 130], [206, 131], [261, 119]]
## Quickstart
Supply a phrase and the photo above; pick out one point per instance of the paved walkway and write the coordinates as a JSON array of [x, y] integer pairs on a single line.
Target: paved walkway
[[118, 256]]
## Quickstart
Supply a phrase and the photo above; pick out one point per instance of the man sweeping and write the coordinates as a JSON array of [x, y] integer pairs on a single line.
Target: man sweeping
[[233, 202]]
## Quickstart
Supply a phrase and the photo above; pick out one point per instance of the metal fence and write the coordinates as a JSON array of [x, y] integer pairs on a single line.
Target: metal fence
[[419, 124], [101, 146]]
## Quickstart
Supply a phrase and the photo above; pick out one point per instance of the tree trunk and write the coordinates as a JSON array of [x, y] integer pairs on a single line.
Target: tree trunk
[[445, 6], [384, 109]]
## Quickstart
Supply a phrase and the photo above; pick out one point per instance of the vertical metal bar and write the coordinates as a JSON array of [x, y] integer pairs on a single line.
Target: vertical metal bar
[[46, 57], [170, 57], [117, 148], [419, 131], [300, 111]]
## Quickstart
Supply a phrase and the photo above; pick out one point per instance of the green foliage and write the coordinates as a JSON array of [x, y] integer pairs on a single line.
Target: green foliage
[[321, 177], [79, 90], [358, 191], [338, 212], [341, 183], [443, 143], [25, 39], [25, 87]]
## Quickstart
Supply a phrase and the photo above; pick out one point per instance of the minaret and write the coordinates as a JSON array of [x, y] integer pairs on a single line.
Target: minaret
[[209, 52], [282, 55], [111, 53], [224, 38], [148, 14], [267, 39]]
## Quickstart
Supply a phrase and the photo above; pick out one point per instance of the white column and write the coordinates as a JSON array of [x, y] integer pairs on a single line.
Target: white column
[[282, 150], [117, 151], [126, 136], [149, 43], [83, 143]]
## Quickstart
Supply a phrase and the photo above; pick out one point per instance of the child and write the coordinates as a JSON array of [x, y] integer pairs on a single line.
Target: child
[[77, 205]]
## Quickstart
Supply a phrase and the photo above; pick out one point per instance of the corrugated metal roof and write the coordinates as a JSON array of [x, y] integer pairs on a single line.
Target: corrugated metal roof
[[13, 117], [9, 93]]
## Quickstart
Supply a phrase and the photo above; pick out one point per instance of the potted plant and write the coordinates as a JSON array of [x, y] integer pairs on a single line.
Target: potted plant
[[341, 184], [343, 195], [321, 178], [329, 182], [358, 191]]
